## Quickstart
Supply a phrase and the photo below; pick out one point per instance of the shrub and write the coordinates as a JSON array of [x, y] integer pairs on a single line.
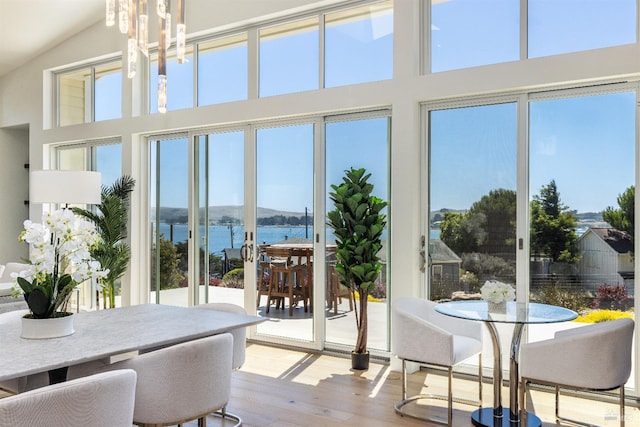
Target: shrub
[[613, 297], [470, 282], [234, 279], [554, 294], [379, 292]]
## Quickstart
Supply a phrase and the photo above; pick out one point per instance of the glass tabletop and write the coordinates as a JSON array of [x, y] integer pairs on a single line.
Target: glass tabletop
[[515, 312]]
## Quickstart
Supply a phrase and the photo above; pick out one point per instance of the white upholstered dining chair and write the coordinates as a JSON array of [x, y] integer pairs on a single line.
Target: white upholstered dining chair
[[182, 382], [421, 335], [28, 382], [239, 346], [595, 357], [100, 400]]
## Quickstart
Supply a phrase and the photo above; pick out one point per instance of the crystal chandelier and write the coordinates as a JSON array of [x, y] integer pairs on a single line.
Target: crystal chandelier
[[133, 20]]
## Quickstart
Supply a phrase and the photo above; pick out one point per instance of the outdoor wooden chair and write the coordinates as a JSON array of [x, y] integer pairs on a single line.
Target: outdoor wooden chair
[[336, 291], [282, 280]]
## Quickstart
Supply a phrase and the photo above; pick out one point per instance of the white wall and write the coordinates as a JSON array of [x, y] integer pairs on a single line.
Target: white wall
[[14, 190]]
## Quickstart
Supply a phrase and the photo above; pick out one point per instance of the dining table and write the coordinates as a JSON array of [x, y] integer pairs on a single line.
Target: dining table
[[105, 333], [519, 314]]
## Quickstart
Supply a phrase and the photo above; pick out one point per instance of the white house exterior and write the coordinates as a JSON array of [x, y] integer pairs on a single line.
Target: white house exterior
[[606, 257]]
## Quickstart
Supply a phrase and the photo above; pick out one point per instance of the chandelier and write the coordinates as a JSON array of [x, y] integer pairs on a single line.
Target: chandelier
[[133, 20]]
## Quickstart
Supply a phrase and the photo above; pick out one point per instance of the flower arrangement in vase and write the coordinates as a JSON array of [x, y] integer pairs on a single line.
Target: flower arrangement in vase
[[59, 259], [497, 294]]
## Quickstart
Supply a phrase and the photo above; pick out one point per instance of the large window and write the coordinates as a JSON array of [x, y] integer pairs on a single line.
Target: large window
[[359, 45], [222, 70], [91, 93], [470, 33], [289, 57], [569, 26]]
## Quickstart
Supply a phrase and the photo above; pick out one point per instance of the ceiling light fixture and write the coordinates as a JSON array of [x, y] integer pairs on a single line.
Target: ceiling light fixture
[[133, 20]]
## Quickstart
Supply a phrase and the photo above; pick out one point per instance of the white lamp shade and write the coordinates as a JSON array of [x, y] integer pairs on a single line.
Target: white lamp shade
[[65, 186]]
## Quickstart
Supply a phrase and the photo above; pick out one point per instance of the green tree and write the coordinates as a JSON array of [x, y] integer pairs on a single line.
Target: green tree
[[170, 274], [488, 226], [553, 227], [622, 218]]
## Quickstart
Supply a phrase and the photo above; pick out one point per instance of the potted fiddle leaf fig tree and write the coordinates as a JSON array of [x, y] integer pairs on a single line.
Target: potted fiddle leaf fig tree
[[357, 224], [113, 252]]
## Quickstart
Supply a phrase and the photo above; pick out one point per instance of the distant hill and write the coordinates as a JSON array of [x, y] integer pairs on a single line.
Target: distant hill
[[216, 213]]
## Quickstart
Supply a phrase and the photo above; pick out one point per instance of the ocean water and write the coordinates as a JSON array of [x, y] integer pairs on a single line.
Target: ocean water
[[220, 236]]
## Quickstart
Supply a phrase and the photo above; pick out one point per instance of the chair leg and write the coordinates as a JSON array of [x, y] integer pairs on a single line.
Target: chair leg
[[222, 413], [622, 420], [399, 407], [480, 380], [523, 401], [450, 397]]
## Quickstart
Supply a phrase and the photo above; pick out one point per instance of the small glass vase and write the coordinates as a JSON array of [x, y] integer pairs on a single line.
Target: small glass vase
[[497, 307]]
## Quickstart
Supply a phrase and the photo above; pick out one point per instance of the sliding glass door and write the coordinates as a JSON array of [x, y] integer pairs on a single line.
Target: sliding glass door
[[219, 218], [284, 233], [357, 142], [245, 229], [537, 192], [472, 198]]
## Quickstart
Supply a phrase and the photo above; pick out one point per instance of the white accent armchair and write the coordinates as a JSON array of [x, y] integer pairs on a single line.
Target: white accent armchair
[[420, 334], [595, 357], [101, 400], [182, 382]]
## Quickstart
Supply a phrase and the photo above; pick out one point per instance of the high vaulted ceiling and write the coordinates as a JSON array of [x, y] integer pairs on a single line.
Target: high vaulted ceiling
[[31, 27]]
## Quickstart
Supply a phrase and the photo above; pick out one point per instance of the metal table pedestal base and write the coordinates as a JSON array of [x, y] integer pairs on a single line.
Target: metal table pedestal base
[[484, 418]]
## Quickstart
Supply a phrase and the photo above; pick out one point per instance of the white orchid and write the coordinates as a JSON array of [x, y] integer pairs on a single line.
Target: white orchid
[[60, 259]]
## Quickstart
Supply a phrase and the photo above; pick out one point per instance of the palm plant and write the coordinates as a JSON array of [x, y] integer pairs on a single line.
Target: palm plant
[[111, 222]]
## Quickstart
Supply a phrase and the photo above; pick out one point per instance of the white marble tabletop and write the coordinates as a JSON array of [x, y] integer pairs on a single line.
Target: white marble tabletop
[[106, 333]]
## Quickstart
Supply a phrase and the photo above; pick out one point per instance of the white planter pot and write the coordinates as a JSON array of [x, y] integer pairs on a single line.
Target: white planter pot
[[47, 328]]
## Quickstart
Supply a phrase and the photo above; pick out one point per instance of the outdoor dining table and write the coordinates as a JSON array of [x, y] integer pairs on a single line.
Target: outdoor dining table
[[518, 314], [104, 333]]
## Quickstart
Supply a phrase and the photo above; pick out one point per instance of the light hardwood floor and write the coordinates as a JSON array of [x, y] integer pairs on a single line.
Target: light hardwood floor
[[287, 388]]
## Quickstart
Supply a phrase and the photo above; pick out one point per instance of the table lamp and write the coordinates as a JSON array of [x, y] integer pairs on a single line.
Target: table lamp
[[65, 187]]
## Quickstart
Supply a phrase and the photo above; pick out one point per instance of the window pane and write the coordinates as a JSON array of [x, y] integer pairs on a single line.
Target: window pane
[[359, 45], [574, 25], [360, 144], [469, 33], [74, 97], [72, 159], [168, 201], [582, 156], [222, 70], [289, 58], [179, 81], [472, 190], [284, 198], [108, 161], [108, 91]]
